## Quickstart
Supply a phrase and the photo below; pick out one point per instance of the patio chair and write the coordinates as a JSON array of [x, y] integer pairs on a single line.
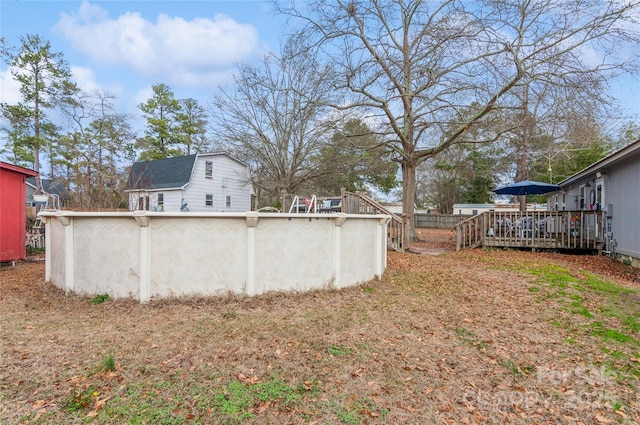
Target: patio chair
[[505, 226], [525, 227], [542, 228]]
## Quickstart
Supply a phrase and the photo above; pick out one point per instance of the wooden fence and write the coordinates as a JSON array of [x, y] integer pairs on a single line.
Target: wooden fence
[[31, 212], [438, 221]]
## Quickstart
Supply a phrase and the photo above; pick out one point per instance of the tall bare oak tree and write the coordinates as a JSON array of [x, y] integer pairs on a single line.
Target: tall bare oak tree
[[276, 119], [432, 71]]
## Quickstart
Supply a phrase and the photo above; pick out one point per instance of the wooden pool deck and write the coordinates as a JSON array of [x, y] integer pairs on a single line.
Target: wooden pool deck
[[566, 230]]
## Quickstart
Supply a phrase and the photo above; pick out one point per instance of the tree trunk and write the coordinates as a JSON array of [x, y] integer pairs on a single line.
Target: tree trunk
[[408, 200], [527, 131], [36, 147], [36, 166], [523, 202]]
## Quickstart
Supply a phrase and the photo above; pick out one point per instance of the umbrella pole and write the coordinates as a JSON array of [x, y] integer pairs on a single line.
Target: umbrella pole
[[523, 203]]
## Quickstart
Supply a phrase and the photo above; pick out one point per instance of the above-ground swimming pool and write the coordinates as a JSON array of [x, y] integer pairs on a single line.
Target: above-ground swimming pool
[[149, 255]]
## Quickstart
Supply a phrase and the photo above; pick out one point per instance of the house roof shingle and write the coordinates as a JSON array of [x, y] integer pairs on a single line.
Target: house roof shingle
[[48, 186], [168, 173]]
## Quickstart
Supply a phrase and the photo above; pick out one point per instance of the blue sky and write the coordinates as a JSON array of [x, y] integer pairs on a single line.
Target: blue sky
[[127, 46]]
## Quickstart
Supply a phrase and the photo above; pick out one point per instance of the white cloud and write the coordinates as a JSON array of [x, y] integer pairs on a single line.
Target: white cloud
[[143, 95], [194, 53], [86, 79], [9, 88]]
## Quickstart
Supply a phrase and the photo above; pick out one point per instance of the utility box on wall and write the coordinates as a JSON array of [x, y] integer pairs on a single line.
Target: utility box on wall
[[13, 211]]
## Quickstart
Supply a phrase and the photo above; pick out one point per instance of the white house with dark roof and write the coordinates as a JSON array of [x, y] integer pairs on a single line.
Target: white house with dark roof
[[48, 186], [213, 182]]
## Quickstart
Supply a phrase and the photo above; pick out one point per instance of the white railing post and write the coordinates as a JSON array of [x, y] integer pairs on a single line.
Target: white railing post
[[294, 204], [313, 206]]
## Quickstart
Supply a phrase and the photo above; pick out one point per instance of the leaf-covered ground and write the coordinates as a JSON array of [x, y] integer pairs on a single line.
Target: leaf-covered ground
[[477, 336]]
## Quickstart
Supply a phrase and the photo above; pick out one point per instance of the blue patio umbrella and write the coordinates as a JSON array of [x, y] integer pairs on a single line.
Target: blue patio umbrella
[[526, 187]]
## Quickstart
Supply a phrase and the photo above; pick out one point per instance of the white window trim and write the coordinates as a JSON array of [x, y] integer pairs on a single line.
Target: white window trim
[[206, 170]]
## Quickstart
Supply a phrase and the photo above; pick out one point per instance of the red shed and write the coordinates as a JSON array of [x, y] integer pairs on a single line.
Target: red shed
[[13, 212]]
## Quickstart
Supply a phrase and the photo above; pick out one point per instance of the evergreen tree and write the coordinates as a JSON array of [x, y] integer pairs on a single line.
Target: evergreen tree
[[354, 158], [192, 126], [45, 83], [162, 134]]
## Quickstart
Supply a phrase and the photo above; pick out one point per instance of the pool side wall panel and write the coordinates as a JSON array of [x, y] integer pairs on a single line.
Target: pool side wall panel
[[151, 255]]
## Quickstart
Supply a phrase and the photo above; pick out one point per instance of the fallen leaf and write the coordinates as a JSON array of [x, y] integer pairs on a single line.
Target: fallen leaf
[[39, 403], [248, 379], [263, 406]]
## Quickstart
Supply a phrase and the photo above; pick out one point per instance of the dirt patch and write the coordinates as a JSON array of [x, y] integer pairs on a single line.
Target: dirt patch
[[444, 239], [477, 336], [433, 241]]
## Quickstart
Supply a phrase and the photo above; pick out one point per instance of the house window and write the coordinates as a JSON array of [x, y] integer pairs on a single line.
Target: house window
[[228, 201], [208, 200], [143, 202], [161, 201], [208, 169]]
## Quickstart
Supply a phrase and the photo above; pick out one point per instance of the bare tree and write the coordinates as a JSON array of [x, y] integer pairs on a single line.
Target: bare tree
[[274, 119], [438, 185], [418, 64], [92, 153], [354, 159]]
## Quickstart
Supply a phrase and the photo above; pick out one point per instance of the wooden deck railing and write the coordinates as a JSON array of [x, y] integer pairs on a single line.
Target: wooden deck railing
[[533, 229], [469, 232], [358, 203]]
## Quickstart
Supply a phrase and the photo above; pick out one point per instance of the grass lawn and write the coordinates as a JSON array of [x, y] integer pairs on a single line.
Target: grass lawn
[[478, 336]]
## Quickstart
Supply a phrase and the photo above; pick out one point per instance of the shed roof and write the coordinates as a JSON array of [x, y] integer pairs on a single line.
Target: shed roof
[[17, 169]]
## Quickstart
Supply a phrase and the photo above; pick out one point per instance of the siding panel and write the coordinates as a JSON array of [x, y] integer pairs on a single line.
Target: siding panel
[[622, 191], [230, 178]]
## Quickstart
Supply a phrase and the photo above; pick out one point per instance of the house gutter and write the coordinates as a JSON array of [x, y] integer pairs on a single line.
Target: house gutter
[[158, 190]]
